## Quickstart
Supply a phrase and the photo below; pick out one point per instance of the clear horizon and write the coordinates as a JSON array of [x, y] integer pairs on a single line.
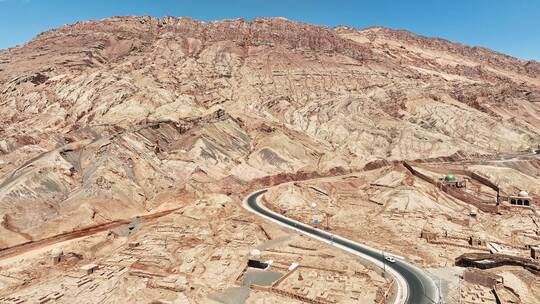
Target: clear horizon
[[511, 28]]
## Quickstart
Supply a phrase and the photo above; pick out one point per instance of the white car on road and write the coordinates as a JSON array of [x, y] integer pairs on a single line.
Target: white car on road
[[390, 259]]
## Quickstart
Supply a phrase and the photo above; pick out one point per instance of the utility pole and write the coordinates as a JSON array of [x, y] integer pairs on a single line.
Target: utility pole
[[459, 280], [327, 226], [384, 264], [440, 293]]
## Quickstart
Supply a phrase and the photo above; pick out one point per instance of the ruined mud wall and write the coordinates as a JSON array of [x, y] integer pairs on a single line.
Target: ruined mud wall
[[418, 174], [481, 278], [488, 260], [485, 206], [479, 178], [288, 294], [454, 244], [483, 180], [501, 294]]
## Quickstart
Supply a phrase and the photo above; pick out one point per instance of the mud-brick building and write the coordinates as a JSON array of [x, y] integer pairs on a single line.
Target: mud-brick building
[[535, 252], [452, 181], [428, 235], [483, 278], [477, 240]]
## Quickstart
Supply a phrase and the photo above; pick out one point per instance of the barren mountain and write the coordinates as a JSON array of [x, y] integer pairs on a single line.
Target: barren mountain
[[110, 119]]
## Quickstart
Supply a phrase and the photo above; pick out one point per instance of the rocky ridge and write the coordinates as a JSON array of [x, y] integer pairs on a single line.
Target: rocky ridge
[[113, 118]]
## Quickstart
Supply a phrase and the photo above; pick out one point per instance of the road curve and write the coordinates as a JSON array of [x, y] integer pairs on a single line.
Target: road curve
[[414, 285]]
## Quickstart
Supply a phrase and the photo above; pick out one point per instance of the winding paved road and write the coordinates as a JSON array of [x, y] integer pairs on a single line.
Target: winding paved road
[[414, 285]]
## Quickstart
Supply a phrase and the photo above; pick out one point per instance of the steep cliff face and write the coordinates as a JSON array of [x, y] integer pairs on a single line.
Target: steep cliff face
[[111, 118]]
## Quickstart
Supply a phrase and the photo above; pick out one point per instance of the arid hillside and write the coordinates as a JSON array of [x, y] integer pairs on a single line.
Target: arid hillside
[[110, 119]]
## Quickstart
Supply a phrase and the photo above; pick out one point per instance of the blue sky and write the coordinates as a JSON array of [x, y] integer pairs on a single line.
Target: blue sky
[[508, 26]]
